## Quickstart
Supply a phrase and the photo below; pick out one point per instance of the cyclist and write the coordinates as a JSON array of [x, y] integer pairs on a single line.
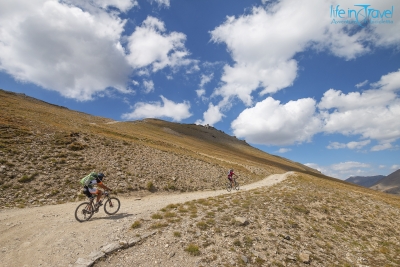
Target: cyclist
[[91, 188], [230, 176]]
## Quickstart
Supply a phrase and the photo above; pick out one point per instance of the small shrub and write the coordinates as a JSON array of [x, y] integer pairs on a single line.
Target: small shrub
[[156, 216], [177, 234], [76, 146], [150, 186], [26, 178], [172, 206], [193, 250], [136, 224], [158, 225], [169, 214], [202, 225], [237, 243]]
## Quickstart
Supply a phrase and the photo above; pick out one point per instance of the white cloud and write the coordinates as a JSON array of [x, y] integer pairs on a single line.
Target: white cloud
[[343, 170], [284, 150], [336, 145], [349, 166], [263, 55], [205, 79], [395, 167], [372, 114], [63, 48], [122, 5], [272, 123], [350, 145], [358, 145], [200, 92], [335, 99], [150, 45], [389, 82], [167, 109], [361, 84], [148, 86], [382, 166], [161, 3], [380, 147], [211, 116]]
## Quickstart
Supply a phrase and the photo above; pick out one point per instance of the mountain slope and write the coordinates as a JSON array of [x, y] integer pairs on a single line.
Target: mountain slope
[[389, 184], [365, 181], [45, 149]]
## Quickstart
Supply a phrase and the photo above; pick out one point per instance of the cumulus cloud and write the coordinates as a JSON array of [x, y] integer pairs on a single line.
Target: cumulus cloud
[[149, 44], [361, 84], [263, 56], [204, 80], [349, 166], [350, 145], [148, 86], [344, 170], [166, 109], [284, 150], [272, 123], [211, 116], [380, 147], [200, 92], [62, 47], [389, 82], [395, 167], [370, 115], [161, 3], [122, 5]]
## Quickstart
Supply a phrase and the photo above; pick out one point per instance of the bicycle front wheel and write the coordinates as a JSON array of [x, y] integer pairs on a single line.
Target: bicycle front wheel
[[228, 187], [112, 206], [84, 212], [236, 185]]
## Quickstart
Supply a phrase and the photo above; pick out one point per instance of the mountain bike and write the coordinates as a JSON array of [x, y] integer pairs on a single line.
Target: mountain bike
[[85, 210], [234, 185]]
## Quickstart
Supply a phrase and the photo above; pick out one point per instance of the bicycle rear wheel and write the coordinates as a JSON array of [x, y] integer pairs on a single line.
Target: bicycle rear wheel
[[112, 205], [228, 187], [84, 212]]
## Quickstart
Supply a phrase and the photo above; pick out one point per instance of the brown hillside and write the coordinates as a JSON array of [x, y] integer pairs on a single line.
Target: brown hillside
[[45, 149], [389, 184]]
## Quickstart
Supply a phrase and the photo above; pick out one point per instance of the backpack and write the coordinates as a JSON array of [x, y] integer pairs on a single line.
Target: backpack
[[87, 179]]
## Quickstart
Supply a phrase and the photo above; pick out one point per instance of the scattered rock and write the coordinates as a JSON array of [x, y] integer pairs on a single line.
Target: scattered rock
[[241, 221], [304, 257]]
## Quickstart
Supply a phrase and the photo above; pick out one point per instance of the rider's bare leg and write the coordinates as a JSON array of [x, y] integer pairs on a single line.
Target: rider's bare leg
[[99, 193]]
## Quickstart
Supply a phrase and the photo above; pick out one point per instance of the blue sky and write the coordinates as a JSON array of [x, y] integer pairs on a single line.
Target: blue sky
[[296, 78]]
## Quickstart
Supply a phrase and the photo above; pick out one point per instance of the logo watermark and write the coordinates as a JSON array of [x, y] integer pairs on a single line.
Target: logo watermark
[[361, 15]]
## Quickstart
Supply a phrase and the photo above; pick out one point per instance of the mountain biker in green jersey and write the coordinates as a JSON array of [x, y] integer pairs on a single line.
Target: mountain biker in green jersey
[[91, 188]]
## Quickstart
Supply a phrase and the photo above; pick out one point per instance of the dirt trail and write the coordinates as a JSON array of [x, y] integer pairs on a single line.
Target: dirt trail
[[50, 235]]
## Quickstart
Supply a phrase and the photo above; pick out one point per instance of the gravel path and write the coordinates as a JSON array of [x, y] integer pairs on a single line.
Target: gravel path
[[50, 235]]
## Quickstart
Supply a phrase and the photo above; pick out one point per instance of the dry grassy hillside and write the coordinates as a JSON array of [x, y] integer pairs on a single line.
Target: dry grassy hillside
[[45, 149], [302, 221]]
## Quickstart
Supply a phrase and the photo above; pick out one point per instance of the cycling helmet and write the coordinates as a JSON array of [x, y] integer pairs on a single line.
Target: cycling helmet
[[100, 176]]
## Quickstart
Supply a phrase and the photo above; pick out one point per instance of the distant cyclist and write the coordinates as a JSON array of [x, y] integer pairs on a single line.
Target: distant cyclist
[[91, 182], [230, 176]]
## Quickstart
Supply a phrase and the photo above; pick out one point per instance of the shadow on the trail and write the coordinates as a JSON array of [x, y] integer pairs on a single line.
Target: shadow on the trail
[[111, 217]]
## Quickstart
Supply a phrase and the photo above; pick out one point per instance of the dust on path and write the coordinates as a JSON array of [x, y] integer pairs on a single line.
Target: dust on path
[[50, 235]]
